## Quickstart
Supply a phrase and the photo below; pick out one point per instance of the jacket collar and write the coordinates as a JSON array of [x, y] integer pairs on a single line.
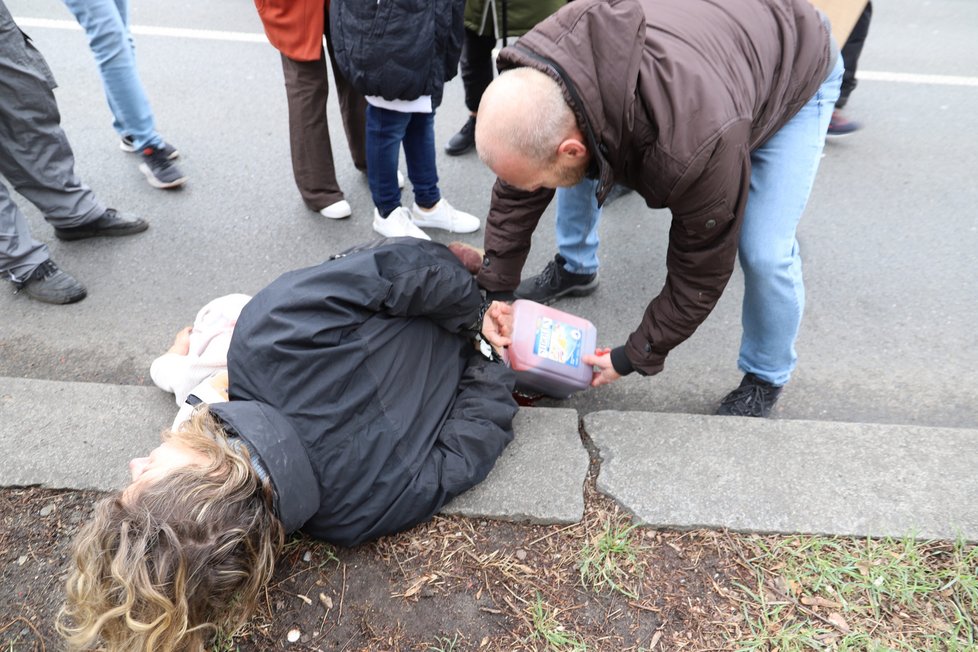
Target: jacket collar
[[272, 437]]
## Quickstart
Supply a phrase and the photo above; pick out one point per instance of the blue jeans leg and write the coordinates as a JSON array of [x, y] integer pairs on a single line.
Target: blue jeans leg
[[385, 131], [782, 173], [577, 220], [419, 154], [106, 23]]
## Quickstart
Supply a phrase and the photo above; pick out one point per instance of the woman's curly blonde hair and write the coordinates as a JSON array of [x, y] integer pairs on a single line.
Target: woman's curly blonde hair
[[183, 559]]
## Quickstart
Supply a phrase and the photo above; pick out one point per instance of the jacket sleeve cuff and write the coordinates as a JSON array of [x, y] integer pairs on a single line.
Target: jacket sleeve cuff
[[620, 361]]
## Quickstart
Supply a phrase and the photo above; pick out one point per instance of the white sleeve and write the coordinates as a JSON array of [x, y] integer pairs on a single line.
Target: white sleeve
[[168, 372]]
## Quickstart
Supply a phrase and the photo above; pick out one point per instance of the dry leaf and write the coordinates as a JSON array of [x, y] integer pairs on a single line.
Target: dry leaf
[[655, 640], [816, 601], [840, 623]]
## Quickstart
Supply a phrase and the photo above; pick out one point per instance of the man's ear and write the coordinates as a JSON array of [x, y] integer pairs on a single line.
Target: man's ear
[[572, 148]]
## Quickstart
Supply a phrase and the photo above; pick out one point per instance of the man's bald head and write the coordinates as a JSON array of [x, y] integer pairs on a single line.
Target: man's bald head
[[523, 110], [524, 125]]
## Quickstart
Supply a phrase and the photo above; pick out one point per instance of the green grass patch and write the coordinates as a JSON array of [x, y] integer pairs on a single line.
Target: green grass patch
[[609, 560], [547, 628], [873, 595]]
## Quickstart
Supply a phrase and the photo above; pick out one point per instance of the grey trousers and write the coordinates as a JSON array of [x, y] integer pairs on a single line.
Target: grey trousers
[[35, 157]]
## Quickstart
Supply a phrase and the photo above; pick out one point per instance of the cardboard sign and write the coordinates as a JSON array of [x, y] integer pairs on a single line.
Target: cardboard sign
[[843, 15]]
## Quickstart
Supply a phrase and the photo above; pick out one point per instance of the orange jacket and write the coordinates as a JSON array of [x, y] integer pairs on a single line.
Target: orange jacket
[[295, 27]]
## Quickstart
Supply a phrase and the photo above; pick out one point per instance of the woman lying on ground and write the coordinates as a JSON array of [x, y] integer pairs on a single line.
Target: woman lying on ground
[[358, 408]]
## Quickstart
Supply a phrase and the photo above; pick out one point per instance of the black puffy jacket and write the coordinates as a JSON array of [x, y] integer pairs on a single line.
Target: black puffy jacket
[[357, 383], [398, 49]]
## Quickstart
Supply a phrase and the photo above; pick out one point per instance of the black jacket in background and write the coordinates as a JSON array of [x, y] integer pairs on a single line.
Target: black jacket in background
[[398, 49], [357, 383]]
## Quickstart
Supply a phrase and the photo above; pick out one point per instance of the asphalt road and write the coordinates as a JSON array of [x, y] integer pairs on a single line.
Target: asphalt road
[[889, 239]]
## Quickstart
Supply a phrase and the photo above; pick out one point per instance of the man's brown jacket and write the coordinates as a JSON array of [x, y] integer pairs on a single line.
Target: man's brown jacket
[[672, 96]]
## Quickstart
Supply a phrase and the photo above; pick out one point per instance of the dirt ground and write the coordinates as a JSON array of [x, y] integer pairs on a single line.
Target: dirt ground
[[451, 584], [458, 584]]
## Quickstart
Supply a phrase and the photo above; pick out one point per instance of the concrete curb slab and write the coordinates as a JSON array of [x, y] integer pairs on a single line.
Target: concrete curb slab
[[539, 477], [76, 435], [688, 471]]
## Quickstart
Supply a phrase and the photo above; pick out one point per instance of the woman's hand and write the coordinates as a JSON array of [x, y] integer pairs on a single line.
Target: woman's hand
[[181, 343]]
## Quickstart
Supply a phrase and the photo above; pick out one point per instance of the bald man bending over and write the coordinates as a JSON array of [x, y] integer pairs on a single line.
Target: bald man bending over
[[715, 111]]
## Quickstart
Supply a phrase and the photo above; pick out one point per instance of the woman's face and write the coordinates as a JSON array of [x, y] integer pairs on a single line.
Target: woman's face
[[163, 459]]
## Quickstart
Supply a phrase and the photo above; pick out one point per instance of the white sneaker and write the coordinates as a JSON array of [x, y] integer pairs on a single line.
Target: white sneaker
[[400, 180], [445, 216], [337, 210], [397, 224]]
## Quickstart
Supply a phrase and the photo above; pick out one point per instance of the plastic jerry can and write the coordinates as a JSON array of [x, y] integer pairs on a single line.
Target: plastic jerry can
[[547, 349]]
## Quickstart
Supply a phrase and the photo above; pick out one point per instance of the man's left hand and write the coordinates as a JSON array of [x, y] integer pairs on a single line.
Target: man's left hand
[[604, 373]]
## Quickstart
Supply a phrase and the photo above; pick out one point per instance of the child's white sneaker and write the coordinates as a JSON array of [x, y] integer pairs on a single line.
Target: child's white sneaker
[[397, 224], [444, 216], [337, 210]]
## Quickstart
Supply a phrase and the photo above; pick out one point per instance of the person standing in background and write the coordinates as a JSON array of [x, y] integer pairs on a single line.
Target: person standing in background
[[296, 29], [840, 125], [106, 24], [484, 27], [36, 159], [399, 55]]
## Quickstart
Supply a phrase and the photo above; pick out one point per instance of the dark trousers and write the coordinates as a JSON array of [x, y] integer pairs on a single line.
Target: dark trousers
[[477, 68], [307, 88], [851, 51]]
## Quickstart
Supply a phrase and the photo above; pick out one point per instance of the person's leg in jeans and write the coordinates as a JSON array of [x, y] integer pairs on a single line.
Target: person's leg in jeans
[[385, 132], [783, 172], [574, 270], [419, 154], [307, 89], [106, 23], [577, 220], [430, 209]]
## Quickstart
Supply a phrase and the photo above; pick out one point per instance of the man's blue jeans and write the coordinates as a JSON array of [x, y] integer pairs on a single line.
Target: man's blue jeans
[[386, 131], [106, 23], [782, 174], [577, 226]]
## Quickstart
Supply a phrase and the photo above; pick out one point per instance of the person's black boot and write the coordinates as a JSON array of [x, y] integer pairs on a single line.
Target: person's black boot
[[112, 223], [555, 282], [464, 140], [50, 284], [754, 398]]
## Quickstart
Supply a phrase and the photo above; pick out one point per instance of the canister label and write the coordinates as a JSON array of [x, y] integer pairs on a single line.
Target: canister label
[[558, 341]]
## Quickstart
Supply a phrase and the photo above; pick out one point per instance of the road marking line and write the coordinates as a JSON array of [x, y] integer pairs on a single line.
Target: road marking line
[[250, 37], [178, 32], [912, 78]]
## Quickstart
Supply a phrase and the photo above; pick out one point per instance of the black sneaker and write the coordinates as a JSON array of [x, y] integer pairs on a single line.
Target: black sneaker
[[128, 145], [49, 284], [160, 171], [464, 140], [555, 282], [754, 398], [110, 224]]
